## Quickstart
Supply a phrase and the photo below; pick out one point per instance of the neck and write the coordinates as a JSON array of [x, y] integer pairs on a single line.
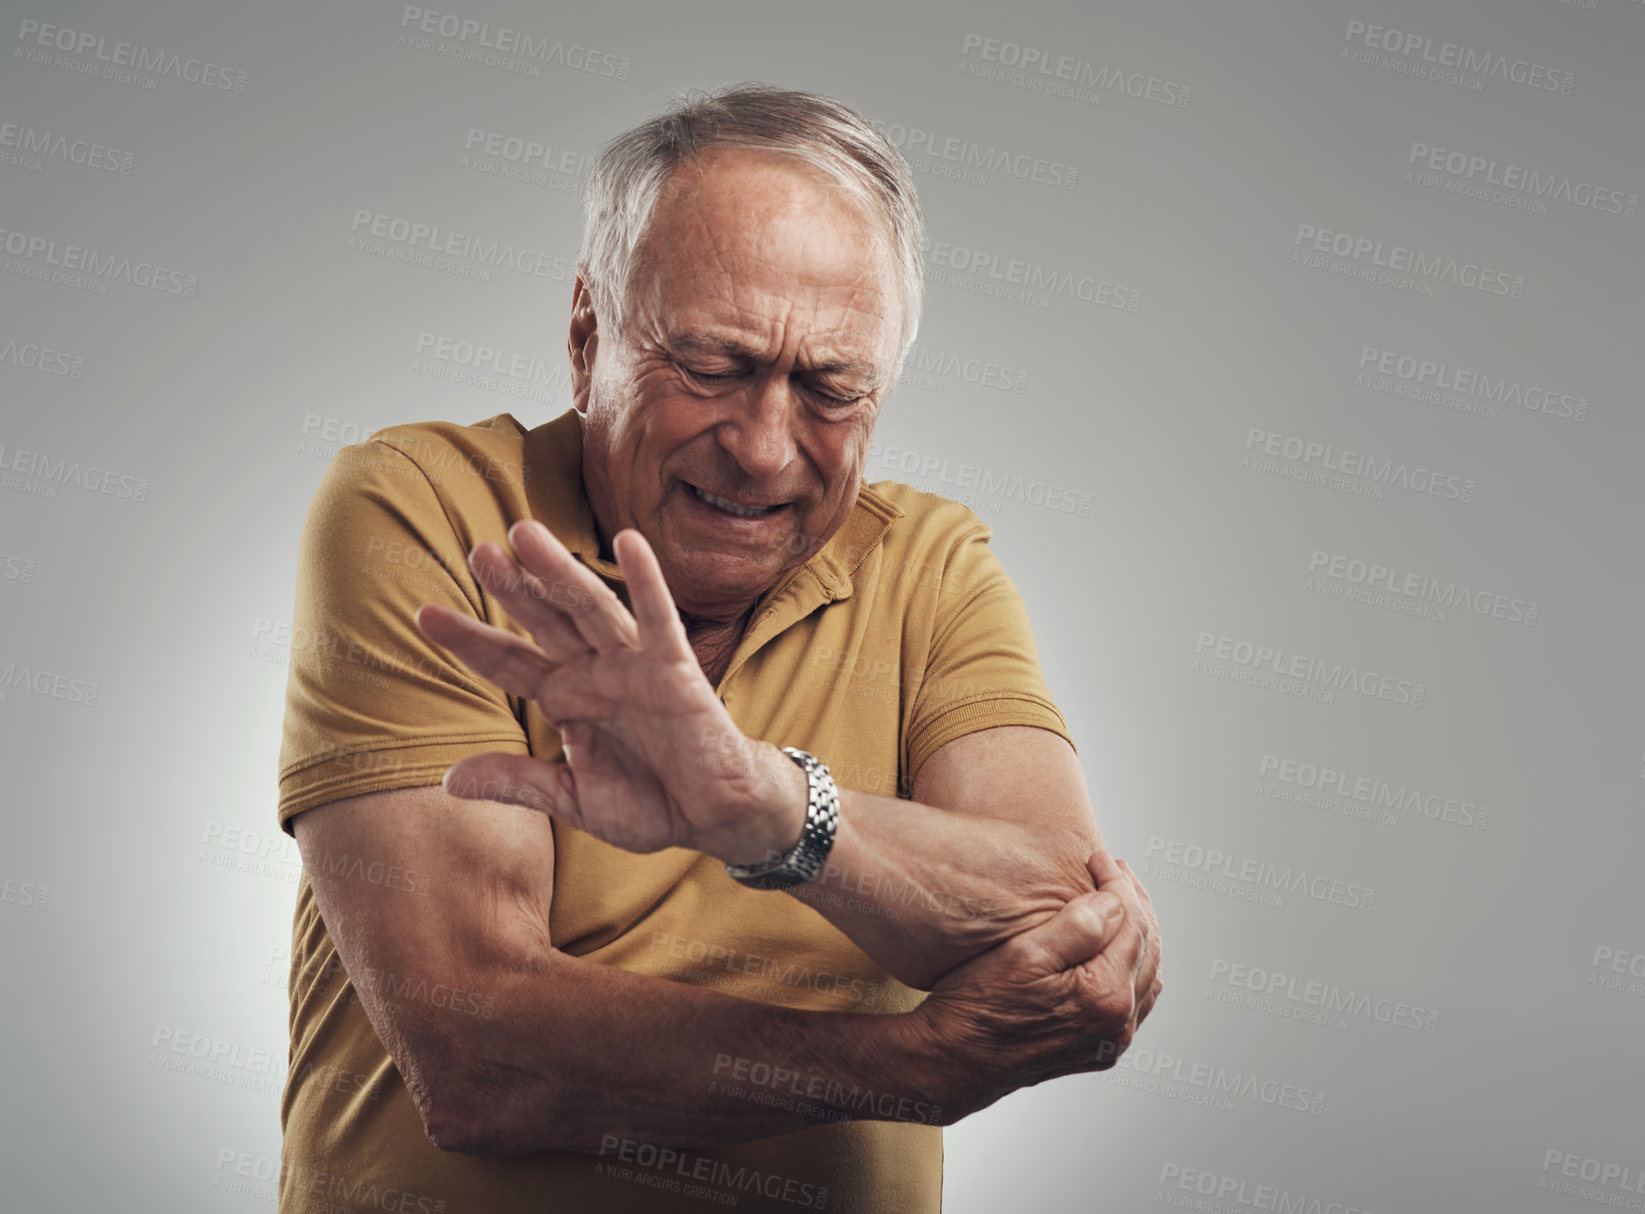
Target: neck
[[714, 641]]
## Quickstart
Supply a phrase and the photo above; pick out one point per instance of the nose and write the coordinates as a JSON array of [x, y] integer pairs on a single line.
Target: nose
[[760, 433]]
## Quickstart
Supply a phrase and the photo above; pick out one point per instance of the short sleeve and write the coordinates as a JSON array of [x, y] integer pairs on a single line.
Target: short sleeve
[[982, 670], [371, 703]]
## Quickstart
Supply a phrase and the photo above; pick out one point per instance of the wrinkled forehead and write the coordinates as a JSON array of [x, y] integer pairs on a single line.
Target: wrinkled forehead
[[764, 236]]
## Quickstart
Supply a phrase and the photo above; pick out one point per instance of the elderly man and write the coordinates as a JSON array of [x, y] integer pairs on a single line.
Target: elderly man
[[716, 841]]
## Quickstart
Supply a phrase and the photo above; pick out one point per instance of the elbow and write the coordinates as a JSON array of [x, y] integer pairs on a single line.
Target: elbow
[[459, 1117], [455, 1134], [469, 1109], [473, 1091], [459, 1134], [462, 1110], [441, 1087], [453, 1122]]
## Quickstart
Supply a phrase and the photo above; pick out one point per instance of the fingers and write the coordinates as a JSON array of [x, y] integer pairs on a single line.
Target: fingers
[[1105, 868], [572, 589], [545, 611], [495, 654], [515, 780], [1153, 919], [654, 611], [1136, 947], [1114, 879], [1146, 1005], [1080, 930]]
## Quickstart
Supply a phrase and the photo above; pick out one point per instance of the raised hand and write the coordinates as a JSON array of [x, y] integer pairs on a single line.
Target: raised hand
[[651, 757]]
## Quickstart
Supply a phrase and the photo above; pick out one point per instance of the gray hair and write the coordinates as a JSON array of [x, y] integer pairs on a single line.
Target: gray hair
[[632, 170]]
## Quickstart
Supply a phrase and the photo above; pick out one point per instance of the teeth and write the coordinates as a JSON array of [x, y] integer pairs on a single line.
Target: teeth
[[732, 507]]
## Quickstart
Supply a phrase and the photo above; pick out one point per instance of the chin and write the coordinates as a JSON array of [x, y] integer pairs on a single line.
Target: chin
[[705, 579]]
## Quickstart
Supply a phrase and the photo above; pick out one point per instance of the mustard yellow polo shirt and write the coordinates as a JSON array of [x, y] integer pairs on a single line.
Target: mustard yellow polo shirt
[[900, 635]]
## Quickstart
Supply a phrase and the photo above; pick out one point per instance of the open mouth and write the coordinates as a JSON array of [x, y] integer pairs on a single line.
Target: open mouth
[[735, 509]]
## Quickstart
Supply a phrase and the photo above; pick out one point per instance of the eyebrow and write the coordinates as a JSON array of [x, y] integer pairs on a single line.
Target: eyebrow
[[707, 343]]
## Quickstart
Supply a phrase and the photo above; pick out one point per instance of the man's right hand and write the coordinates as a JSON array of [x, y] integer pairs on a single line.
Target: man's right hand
[[1062, 998]]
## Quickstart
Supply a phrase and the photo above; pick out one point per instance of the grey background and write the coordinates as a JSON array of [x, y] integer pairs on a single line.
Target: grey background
[[148, 893]]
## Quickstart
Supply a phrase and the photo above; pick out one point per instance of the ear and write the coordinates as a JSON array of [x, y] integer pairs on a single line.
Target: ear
[[583, 343]]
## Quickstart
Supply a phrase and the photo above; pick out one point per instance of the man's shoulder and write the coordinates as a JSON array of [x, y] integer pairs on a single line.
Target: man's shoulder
[[925, 533], [458, 462], [925, 518], [438, 447]]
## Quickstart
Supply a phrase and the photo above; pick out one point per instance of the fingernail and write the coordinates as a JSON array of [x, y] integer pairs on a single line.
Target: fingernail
[[1109, 907]]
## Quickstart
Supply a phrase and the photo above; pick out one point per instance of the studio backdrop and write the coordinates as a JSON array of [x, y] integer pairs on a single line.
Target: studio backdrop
[[1290, 350]]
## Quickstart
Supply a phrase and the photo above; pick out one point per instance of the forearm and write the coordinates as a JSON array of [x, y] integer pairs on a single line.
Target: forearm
[[921, 888], [578, 1054]]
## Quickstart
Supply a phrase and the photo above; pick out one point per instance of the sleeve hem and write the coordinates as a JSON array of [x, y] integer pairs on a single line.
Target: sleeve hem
[[359, 774], [974, 716]]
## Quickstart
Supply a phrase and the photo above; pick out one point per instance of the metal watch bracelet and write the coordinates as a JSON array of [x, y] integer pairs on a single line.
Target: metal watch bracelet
[[804, 860]]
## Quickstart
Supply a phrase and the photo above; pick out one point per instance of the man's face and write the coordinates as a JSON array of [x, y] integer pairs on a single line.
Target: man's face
[[731, 423]]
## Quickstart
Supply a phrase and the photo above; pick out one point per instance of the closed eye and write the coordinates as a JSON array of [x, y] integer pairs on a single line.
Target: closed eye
[[711, 376], [827, 399], [834, 402]]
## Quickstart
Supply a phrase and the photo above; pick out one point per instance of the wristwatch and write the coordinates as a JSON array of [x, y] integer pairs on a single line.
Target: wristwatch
[[804, 860]]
